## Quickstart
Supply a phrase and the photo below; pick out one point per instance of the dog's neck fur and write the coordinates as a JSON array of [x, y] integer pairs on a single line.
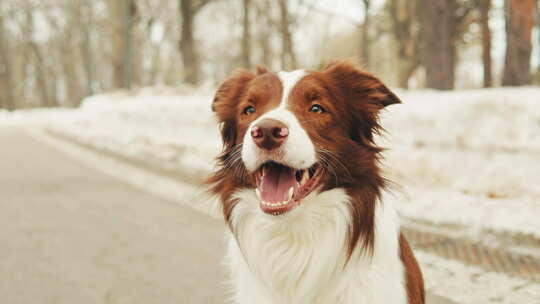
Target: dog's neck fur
[[303, 258]]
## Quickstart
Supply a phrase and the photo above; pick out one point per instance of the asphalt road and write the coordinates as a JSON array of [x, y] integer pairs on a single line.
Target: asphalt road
[[71, 234]]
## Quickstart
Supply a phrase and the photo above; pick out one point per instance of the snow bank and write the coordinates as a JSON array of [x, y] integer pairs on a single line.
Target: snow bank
[[467, 157]]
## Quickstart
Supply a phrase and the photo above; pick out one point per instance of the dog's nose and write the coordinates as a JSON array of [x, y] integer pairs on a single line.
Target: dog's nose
[[269, 133]]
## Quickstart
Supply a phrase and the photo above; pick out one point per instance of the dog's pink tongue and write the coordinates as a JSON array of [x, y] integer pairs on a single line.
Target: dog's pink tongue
[[276, 183]]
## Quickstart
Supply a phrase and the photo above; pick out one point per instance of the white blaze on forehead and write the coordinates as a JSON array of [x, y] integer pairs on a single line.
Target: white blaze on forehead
[[289, 80]]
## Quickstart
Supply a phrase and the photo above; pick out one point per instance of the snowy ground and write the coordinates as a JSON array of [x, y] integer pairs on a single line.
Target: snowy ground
[[470, 158]]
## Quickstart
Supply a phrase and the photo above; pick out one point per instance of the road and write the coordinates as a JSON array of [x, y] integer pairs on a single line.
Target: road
[[71, 234]]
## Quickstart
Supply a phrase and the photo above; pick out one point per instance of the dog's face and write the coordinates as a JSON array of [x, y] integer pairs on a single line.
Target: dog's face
[[289, 134]]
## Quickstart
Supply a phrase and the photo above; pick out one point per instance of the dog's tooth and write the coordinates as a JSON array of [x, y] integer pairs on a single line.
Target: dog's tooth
[[258, 192], [291, 192], [305, 177]]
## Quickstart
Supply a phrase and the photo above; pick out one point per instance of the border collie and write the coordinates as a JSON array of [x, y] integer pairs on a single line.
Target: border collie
[[300, 188]]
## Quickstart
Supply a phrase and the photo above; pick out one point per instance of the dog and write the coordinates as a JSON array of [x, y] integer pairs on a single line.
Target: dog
[[300, 188]]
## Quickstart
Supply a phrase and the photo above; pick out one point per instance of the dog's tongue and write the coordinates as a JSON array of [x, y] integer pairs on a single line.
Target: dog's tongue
[[276, 183]]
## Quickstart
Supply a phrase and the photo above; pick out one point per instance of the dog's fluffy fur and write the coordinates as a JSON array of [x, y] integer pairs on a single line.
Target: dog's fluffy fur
[[340, 243]]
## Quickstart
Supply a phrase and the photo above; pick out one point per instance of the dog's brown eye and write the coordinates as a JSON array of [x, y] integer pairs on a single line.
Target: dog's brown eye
[[249, 110], [317, 109]]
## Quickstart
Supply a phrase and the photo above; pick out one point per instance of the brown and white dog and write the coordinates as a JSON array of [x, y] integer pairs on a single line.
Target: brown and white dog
[[300, 189]]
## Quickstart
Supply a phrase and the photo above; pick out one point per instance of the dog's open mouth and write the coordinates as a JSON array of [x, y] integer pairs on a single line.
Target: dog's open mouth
[[281, 188]]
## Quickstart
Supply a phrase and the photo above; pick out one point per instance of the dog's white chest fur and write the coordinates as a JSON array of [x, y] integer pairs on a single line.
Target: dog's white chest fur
[[301, 258]]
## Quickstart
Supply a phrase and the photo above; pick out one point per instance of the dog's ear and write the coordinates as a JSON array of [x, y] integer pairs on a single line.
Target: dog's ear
[[365, 96], [225, 101], [229, 93], [261, 70], [359, 86]]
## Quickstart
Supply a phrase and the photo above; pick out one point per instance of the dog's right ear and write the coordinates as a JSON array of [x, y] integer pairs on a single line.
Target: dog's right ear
[[225, 102], [229, 94]]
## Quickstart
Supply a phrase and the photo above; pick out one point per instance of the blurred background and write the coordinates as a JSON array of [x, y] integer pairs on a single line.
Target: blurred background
[[56, 52], [106, 136]]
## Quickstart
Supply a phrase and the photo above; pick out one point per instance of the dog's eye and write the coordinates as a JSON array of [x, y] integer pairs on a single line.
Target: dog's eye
[[249, 110], [317, 109]]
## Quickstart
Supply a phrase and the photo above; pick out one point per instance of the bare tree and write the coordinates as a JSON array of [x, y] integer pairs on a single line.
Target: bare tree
[[288, 56], [538, 31], [7, 99], [364, 47], [188, 49], [87, 45], [405, 30], [438, 53], [442, 24], [63, 45], [264, 31], [246, 36], [519, 24], [484, 7], [116, 17], [43, 80]]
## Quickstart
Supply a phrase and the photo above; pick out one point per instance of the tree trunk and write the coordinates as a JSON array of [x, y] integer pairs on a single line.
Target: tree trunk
[[365, 34], [485, 6], [403, 14], [519, 24], [116, 18], [129, 10], [265, 32], [87, 48], [288, 57], [538, 32], [438, 43], [190, 58], [7, 100], [246, 36], [42, 79]]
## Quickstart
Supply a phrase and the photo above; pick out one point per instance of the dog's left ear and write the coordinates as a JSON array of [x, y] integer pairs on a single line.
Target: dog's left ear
[[365, 94], [359, 86]]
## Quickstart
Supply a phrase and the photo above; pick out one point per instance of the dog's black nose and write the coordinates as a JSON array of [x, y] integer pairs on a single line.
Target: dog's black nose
[[269, 133]]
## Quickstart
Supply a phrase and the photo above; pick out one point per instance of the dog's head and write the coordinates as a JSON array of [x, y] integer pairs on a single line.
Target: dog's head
[[289, 134]]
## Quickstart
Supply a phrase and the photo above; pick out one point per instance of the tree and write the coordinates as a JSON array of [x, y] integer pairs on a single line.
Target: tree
[[438, 52], [43, 78], [264, 31], [7, 99], [538, 31], [442, 24], [364, 47], [484, 7], [246, 37], [130, 10], [87, 47], [288, 56], [403, 14], [519, 24], [188, 50]]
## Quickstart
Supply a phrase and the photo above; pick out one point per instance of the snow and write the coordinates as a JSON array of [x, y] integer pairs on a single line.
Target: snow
[[470, 284], [469, 157]]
